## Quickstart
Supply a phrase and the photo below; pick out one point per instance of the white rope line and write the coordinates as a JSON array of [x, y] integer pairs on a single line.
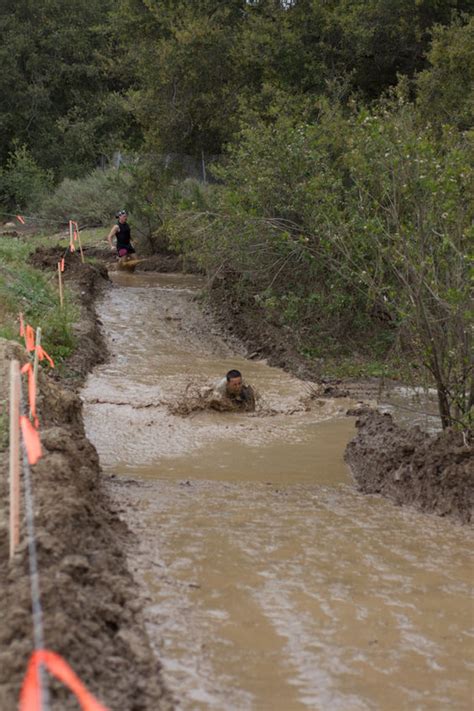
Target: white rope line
[[38, 629]]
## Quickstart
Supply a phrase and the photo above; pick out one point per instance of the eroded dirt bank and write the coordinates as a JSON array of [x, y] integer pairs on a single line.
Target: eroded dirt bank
[[92, 608], [244, 319], [433, 473]]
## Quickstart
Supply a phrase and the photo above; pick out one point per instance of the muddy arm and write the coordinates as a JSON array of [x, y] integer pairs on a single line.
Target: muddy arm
[[111, 235]]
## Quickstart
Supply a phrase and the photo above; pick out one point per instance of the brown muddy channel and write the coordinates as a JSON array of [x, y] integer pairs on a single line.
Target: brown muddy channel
[[270, 582]]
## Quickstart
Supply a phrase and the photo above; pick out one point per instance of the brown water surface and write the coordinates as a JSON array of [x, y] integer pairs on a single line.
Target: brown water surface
[[271, 583]]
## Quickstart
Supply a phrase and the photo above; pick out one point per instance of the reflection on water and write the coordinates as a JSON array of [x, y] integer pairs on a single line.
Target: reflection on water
[[271, 583], [412, 406]]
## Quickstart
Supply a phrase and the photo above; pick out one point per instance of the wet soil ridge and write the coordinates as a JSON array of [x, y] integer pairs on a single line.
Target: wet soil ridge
[[88, 282], [92, 609], [433, 474]]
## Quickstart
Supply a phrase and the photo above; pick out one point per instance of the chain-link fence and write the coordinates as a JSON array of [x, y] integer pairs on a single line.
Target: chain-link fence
[[180, 164]]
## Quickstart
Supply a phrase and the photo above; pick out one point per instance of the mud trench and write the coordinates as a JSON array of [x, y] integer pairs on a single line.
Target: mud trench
[[270, 582]]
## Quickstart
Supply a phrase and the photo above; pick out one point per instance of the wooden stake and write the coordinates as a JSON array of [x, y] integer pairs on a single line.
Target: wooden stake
[[60, 279], [80, 243], [14, 456], [35, 360]]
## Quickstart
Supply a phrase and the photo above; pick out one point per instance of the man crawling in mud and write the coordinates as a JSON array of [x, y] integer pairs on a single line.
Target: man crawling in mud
[[227, 395], [232, 391]]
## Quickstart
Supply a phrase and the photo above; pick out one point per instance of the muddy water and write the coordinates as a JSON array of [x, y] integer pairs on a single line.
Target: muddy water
[[270, 583]]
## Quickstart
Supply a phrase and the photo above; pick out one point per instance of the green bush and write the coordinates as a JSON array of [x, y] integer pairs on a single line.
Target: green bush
[[355, 231], [92, 201], [23, 184]]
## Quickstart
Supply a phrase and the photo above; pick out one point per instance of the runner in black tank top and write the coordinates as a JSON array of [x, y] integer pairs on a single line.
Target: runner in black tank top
[[122, 233]]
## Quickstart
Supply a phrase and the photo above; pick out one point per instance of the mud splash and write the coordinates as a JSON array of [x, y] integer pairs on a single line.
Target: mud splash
[[270, 582], [160, 342]]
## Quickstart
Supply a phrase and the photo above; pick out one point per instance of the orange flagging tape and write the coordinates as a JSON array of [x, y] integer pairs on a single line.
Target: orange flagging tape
[[72, 247], [28, 368], [22, 326], [20, 219], [31, 439], [29, 338], [30, 695], [62, 264], [42, 354]]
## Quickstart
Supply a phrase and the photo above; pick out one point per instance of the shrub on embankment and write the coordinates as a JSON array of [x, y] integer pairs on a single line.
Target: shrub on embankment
[[353, 230]]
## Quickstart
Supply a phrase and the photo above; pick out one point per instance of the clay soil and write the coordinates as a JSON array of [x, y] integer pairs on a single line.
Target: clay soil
[[92, 608], [432, 473]]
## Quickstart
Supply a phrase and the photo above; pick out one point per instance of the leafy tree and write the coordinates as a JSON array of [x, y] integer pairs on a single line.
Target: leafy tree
[[202, 68], [446, 89], [405, 228], [60, 96], [187, 96], [23, 184]]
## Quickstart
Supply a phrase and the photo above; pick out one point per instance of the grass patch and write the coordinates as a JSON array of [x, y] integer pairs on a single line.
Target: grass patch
[[349, 369], [93, 237], [35, 294]]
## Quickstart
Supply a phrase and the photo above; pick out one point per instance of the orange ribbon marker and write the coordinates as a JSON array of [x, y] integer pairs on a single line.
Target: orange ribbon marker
[[42, 355], [72, 247], [62, 264], [22, 326], [28, 368], [30, 695], [31, 439], [29, 338], [20, 219]]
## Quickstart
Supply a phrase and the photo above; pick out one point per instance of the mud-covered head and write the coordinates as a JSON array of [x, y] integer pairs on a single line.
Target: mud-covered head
[[234, 381]]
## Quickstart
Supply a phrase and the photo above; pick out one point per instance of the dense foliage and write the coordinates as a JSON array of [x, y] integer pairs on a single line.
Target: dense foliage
[[61, 93], [355, 230]]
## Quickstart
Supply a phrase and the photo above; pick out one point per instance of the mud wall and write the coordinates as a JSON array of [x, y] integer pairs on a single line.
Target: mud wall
[[92, 610], [410, 467]]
